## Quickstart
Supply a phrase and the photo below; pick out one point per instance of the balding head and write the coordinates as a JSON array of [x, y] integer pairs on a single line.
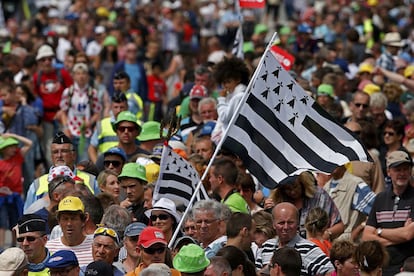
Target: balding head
[[285, 221]]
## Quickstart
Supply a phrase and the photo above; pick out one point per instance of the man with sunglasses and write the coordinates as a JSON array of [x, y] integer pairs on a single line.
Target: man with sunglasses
[[114, 159], [359, 106], [152, 248], [104, 136], [127, 130], [105, 247], [32, 240]]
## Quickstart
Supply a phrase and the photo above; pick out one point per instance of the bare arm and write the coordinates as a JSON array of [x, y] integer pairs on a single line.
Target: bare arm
[[27, 144], [93, 153], [409, 83], [370, 234]]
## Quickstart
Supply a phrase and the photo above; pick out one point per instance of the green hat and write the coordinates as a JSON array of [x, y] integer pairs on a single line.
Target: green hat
[[248, 47], [127, 116], [260, 28], [150, 131], [191, 259], [325, 89], [110, 40], [133, 170], [5, 142], [285, 30]]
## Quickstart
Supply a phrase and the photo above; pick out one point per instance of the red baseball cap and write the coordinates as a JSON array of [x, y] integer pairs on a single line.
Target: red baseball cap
[[150, 236], [198, 92]]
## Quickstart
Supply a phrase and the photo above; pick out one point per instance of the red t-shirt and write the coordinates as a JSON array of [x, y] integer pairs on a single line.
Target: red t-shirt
[[156, 88], [11, 173], [50, 90]]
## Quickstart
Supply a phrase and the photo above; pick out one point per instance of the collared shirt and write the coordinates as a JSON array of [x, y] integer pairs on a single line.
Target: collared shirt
[[314, 261], [392, 211]]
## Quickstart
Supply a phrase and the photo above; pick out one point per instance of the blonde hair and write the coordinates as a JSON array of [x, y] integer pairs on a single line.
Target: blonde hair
[[316, 221]]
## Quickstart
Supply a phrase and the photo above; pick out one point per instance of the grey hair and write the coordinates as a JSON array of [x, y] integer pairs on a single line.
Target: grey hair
[[208, 100], [208, 205], [117, 218], [156, 269], [378, 100], [409, 107], [220, 265]]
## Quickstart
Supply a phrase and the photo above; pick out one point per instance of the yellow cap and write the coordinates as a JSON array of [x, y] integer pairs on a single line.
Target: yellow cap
[[366, 67], [409, 71], [371, 88], [71, 204], [152, 172]]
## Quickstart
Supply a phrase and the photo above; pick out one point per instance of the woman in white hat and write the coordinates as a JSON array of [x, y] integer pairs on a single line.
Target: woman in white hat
[[164, 216]]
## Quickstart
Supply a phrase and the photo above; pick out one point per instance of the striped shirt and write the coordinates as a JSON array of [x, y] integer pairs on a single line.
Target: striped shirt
[[82, 251], [314, 261]]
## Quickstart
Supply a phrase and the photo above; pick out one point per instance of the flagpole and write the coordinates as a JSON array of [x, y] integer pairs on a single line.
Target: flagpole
[[220, 144]]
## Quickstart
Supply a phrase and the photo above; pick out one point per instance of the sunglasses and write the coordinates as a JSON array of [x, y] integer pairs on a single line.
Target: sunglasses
[[161, 217], [389, 133], [104, 231], [153, 250], [360, 104], [114, 163], [129, 128], [28, 238]]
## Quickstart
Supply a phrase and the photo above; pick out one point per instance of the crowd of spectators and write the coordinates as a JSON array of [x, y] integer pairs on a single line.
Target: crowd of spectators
[[90, 91]]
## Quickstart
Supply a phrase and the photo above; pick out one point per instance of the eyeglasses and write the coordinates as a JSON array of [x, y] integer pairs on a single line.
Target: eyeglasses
[[62, 151], [361, 104], [389, 133], [104, 231], [114, 163], [28, 238], [188, 228], [61, 272], [160, 216], [206, 221], [129, 128], [153, 250]]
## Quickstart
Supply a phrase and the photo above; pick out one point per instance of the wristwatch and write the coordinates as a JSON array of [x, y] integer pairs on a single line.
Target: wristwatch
[[379, 231]]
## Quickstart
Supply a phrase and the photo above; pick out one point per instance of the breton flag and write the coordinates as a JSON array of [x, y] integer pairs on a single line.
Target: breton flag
[[280, 131], [237, 50], [177, 179]]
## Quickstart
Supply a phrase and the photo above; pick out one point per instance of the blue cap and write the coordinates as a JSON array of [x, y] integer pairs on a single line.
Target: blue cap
[[207, 128], [116, 151], [61, 259], [134, 229], [304, 28]]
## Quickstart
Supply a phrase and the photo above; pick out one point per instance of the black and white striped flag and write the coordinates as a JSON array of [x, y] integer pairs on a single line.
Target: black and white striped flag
[[281, 131], [237, 49], [177, 179]]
